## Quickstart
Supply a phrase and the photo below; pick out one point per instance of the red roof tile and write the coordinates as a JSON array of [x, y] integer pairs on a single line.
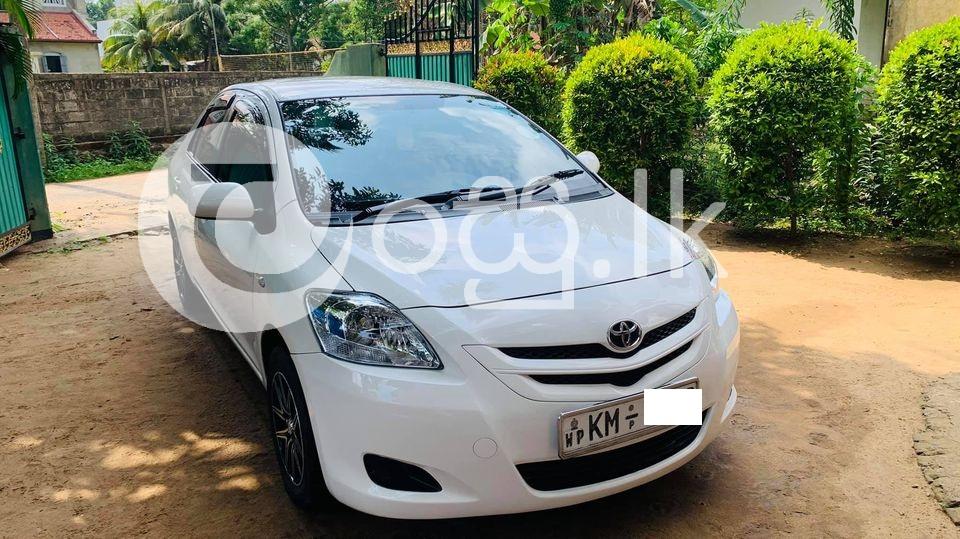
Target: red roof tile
[[55, 26]]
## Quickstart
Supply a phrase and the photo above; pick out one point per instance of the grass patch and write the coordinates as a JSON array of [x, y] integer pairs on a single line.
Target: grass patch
[[97, 168]]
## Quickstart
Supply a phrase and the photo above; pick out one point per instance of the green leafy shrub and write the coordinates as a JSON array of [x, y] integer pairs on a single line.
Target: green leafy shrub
[[786, 106], [527, 83], [98, 167], [126, 152], [58, 155], [632, 102], [918, 104], [131, 143]]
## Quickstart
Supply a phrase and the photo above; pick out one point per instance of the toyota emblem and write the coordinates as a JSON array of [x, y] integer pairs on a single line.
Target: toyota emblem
[[624, 336]]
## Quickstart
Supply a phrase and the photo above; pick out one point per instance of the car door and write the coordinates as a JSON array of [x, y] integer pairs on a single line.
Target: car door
[[237, 153]]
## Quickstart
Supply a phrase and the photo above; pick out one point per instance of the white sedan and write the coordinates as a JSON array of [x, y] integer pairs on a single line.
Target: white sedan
[[452, 314]]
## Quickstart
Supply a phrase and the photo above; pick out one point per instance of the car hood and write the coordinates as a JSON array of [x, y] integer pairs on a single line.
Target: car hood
[[503, 254]]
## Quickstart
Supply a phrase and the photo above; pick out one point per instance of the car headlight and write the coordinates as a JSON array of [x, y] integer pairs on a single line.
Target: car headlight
[[700, 252], [363, 328]]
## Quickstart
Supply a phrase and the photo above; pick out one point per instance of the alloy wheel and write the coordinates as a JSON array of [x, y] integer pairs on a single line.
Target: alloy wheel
[[287, 434]]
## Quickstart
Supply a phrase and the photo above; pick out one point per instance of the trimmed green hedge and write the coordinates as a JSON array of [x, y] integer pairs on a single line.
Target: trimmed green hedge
[[633, 103], [786, 106], [918, 104], [526, 82]]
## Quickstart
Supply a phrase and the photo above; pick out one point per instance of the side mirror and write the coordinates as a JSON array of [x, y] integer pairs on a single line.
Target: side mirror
[[589, 160], [223, 201]]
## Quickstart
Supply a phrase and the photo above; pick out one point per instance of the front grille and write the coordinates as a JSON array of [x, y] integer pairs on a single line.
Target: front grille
[[597, 350], [619, 379], [590, 469]]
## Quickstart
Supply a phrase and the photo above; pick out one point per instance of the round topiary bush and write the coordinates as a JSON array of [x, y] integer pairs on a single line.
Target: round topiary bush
[[786, 96], [633, 103], [526, 82], [918, 104]]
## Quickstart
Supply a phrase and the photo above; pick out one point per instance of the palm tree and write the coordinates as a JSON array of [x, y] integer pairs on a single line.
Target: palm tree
[[135, 41], [23, 15], [203, 20]]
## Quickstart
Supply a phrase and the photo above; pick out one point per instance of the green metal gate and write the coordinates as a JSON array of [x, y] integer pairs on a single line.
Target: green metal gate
[[14, 230], [434, 40]]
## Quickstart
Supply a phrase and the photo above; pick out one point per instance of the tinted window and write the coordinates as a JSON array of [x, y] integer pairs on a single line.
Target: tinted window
[[206, 138], [245, 153]]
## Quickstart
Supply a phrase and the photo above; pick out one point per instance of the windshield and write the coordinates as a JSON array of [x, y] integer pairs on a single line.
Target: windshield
[[348, 154]]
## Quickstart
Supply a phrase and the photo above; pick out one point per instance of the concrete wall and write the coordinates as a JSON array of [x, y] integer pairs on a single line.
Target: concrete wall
[[80, 57], [88, 108], [907, 16]]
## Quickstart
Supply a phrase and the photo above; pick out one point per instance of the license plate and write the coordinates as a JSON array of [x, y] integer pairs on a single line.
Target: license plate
[[608, 423]]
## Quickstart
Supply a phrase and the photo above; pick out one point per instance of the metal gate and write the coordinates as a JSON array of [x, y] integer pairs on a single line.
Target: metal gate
[[434, 40], [14, 230]]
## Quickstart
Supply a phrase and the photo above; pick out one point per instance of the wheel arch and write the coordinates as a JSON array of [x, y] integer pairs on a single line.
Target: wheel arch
[[270, 338]]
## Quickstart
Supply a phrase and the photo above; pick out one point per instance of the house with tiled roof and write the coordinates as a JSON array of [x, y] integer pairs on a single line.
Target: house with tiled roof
[[64, 41]]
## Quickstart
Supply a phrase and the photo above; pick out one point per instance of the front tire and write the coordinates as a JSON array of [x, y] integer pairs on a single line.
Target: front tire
[[292, 433], [193, 304]]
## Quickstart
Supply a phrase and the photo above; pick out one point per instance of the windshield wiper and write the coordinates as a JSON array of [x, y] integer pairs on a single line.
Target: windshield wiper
[[534, 187], [402, 204], [540, 184], [484, 194]]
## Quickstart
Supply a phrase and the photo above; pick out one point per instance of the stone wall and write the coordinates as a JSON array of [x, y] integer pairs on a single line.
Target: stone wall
[[88, 107]]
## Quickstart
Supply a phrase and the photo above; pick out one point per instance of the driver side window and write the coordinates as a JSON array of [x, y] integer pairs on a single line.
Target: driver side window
[[245, 144], [207, 138]]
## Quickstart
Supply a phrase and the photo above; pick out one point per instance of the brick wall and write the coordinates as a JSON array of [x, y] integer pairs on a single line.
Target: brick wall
[[88, 107]]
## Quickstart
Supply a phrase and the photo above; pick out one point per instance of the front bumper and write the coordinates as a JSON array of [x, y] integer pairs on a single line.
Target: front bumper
[[469, 429]]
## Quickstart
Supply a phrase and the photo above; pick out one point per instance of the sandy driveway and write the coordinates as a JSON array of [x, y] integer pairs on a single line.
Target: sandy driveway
[[118, 417]]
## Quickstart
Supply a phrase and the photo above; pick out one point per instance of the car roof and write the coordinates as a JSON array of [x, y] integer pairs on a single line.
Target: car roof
[[319, 87]]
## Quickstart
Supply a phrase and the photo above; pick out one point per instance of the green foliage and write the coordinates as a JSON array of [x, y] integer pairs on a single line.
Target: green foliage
[[290, 20], [366, 19], [526, 82], [127, 151], [248, 33], [97, 168], [195, 22], [632, 102], [786, 106], [717, 28], [22, 16], [136, 41], [562, 30], [331, 30], [99, 10], [131, 143], [842, 13], [918, 103]]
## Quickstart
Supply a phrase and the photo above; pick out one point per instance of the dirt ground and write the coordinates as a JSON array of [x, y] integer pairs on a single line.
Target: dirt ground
[[118, 417]]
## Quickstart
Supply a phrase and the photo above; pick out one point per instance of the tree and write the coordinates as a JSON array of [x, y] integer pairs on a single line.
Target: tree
[[366, 19], [200, 20], [248, 33], [291, 20], [135, 41], [23, 15], [99, 10], [331, 31]]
